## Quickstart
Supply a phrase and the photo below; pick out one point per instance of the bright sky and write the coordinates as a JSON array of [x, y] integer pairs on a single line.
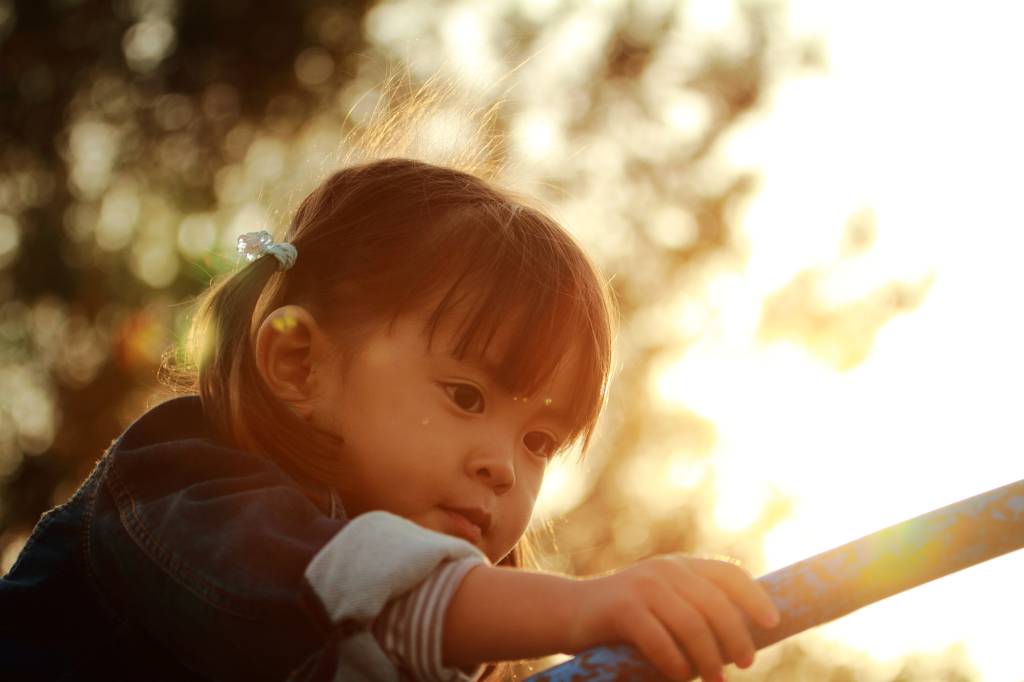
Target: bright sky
[[919, 119]]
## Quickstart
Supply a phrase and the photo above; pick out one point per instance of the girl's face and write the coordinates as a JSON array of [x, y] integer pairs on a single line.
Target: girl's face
[[437, 440]]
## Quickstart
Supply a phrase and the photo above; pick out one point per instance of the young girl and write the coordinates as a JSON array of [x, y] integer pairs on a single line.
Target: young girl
[[346, 495]]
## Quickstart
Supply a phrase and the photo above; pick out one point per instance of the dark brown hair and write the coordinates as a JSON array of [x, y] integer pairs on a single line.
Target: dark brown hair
[[374, 241]]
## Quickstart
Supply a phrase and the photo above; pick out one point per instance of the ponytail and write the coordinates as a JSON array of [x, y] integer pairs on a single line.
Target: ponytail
[[223, 371]]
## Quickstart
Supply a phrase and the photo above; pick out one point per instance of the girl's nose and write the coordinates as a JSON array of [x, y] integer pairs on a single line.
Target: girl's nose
[[494, 467]]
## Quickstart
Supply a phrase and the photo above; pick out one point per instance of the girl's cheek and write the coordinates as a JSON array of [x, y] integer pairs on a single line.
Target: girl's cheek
[[529, 491], [532, 477]]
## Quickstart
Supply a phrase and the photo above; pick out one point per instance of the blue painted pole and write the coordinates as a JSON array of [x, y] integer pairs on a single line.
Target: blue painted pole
[[841, 580]]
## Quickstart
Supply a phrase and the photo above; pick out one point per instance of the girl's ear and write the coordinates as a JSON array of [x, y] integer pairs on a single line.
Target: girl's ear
[[290, 351]]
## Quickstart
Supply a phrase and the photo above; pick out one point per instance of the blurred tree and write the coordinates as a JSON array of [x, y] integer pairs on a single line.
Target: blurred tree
[[115, 117]]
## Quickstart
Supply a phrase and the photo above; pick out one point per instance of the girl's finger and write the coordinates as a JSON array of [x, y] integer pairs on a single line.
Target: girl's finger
[[693, 633], [741, 588], [658, 647], [721, 614]]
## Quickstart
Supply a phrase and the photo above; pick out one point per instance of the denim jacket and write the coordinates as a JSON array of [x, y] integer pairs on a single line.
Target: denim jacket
[[179, 558]]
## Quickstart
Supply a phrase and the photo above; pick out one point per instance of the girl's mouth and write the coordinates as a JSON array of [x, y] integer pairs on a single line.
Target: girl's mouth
[[462, 527]]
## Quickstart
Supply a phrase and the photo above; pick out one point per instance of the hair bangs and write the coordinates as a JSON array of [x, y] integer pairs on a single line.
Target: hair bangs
[[526, 291]]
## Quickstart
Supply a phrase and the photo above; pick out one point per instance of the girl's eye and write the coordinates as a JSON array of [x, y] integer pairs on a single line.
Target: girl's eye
[[467, 397], [541, 444]]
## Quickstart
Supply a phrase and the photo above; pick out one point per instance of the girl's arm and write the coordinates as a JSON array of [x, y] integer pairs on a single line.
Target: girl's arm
[[659, 605], [506, 614]]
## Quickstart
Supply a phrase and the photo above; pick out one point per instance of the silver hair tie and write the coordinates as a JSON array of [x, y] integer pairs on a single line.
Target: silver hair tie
[[255, 245]]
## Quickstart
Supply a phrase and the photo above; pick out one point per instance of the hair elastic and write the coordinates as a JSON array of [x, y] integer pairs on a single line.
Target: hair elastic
[[255, 245]]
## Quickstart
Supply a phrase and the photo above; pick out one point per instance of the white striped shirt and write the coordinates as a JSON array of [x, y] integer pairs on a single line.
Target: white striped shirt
[[381, 561], [410, 629]]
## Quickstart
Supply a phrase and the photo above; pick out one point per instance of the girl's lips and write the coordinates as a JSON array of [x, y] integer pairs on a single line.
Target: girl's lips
[[463, 527]]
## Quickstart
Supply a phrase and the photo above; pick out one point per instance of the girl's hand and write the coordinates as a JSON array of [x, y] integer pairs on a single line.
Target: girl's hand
[[671, 602]]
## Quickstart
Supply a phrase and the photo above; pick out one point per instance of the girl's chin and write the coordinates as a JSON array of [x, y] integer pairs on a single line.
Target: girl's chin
[[452, 527]]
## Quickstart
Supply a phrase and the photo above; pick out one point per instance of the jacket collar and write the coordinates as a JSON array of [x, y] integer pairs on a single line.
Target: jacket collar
[[182, 417]]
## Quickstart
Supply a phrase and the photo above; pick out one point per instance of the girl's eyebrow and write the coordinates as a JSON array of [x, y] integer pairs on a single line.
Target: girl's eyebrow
[[559, 416]]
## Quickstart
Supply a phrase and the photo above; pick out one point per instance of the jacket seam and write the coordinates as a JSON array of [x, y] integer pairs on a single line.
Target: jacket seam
[[169, 562], [44, 521], [87, 551]]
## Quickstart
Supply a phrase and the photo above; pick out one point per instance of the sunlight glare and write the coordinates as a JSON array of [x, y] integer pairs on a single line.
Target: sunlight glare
[[928, 140], [564, 485]]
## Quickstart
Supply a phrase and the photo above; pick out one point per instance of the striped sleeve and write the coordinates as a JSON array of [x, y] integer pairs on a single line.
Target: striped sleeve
[[410, 629]]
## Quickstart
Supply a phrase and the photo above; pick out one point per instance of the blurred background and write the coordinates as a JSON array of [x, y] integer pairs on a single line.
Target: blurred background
[[809, 212]]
